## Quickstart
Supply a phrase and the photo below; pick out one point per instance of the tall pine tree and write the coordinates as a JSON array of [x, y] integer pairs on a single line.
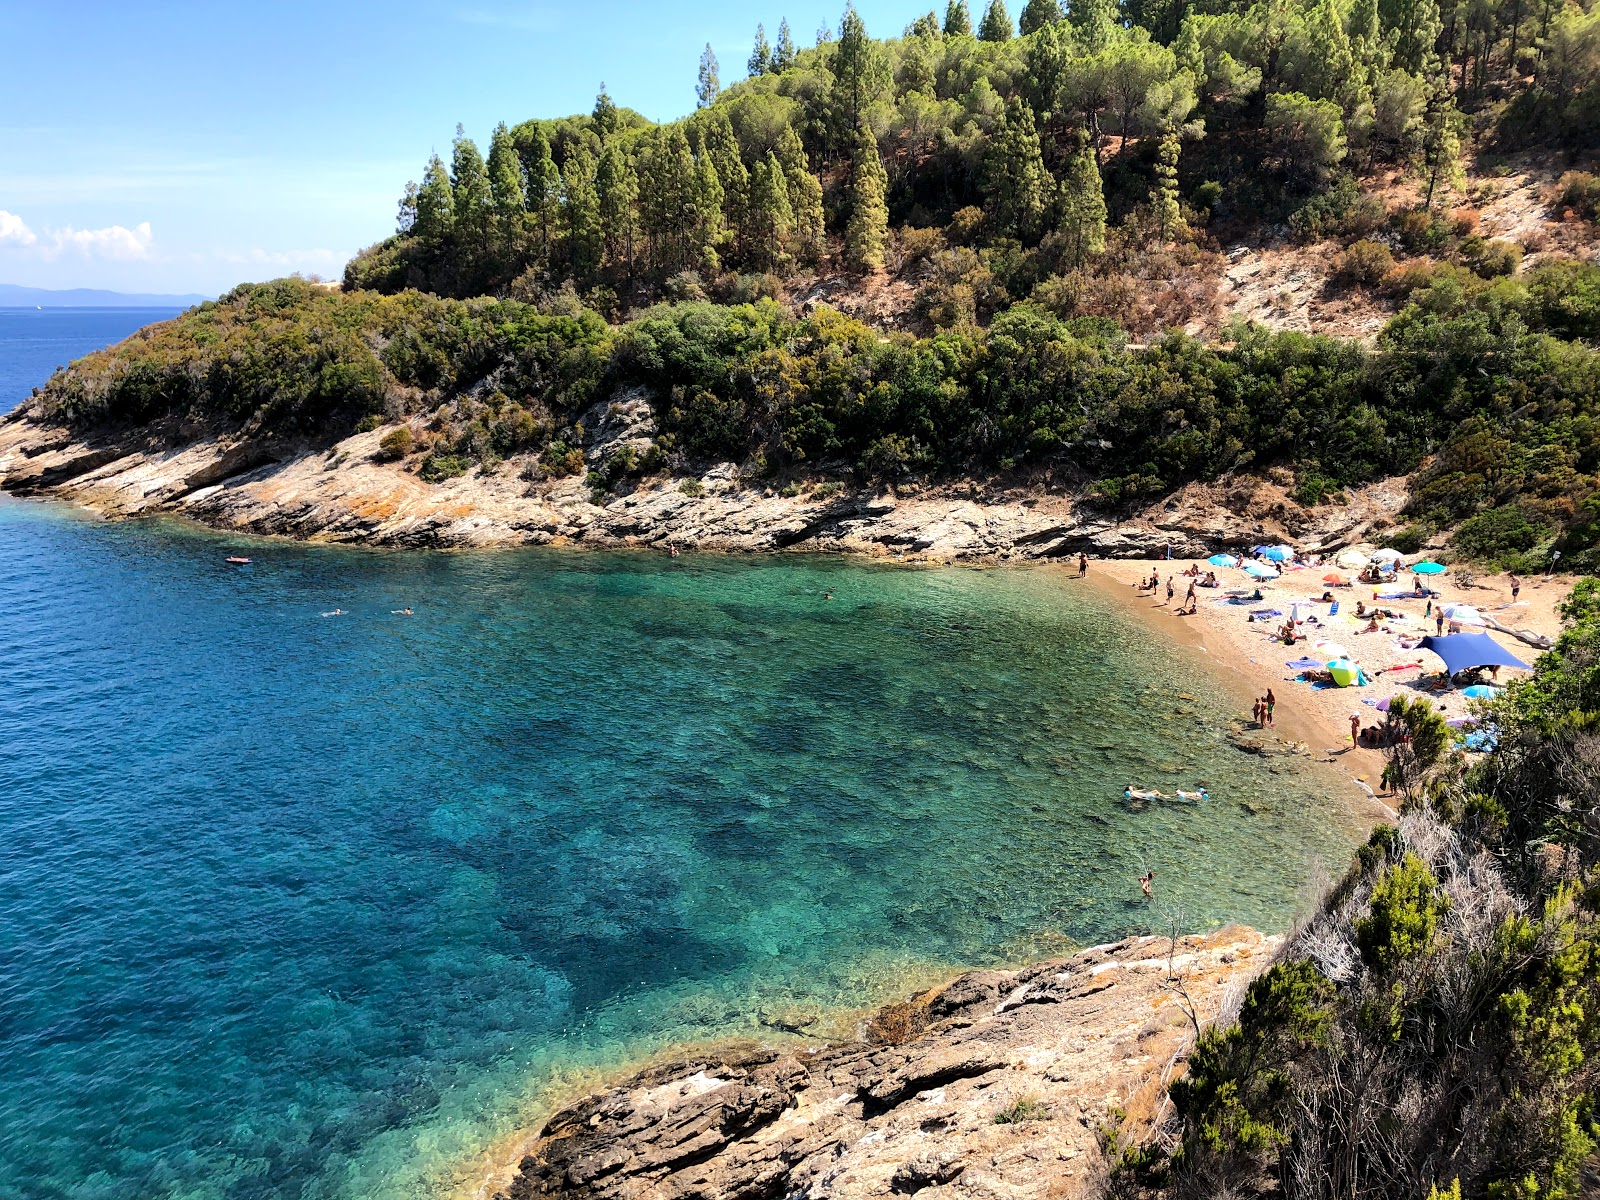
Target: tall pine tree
[[709, 220], [469, 181], [1164, 193], [436, 203], [1036, 14], [760, 61], [996, 26], [783, 51], [1018, 186], [868, 228], [718, 143], [505, 178], [1082, 205], [805, 196], [957, 19], [1096, 22], [544, 189], [580, 211], [605, 116], [770, 219], [617, 191], [707, 85], [860, 72]]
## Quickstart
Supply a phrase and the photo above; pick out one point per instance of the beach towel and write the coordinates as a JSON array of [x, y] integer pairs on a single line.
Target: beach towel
[[1305, 664]]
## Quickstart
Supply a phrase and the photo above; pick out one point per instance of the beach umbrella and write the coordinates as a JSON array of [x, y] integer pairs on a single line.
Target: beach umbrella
[[1386, 555], [1480, 691], [1331, 649], [1259, 571], [1428, 568], [1383, 705], [1461, 614], [1463, 651], [1223, 560], [1275, 553], [1335, 579], [1351, 558], [1345, 673]]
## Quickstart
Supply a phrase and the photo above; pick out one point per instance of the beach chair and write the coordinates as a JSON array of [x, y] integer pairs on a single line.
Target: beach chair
[[1334, 611]]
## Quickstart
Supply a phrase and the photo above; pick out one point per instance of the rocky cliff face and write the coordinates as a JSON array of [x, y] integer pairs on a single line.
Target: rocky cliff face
[[348, 493], [997, 1085]]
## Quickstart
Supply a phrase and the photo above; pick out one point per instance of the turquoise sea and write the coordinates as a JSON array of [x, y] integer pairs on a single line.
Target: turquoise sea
[[308, 906]]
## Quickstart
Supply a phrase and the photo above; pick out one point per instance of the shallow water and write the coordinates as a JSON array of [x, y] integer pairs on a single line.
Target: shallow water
[[305, 906]]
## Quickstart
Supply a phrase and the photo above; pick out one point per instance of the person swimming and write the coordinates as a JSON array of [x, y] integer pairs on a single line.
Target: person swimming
[[338, 612], [1202, 794], [401, 612], [1146, 880], [1133, 793]]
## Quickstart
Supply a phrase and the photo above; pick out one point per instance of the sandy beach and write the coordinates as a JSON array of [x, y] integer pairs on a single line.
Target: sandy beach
[[1247, 650]]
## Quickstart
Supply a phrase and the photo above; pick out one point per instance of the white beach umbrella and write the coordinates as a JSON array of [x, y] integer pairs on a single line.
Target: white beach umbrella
[[1386, 555], [1351, 558], [1462, 614], [1330, 649]]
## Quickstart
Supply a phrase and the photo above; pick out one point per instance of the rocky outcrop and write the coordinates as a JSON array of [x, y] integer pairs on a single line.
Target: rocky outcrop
[[997, 1085], [349, 493]]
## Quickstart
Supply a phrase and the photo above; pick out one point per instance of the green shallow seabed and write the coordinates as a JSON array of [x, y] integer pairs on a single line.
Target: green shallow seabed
[[309, 906]]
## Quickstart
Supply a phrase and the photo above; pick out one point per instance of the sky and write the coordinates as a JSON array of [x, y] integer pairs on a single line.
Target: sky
[[185, 147]]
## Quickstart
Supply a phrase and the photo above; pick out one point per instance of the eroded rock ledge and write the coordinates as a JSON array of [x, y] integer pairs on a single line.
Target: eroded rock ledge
[[347, 493], [996, 1085]]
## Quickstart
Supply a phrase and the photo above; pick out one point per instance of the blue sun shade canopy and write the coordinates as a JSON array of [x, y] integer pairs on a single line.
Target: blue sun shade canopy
[[1463, 651]]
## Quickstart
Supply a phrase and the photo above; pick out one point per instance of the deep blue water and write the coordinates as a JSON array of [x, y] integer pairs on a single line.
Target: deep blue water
[[34, 342], [306, 906]]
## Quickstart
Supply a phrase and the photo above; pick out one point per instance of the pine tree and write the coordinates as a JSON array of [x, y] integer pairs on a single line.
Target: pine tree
[[1366, 38], [1096, 22], [805, 196], [671, 195], [783, 53], [580, 211], [707, 87], [860, 72], [469, 181], [605, 116], [505, 179], [1441, 142], [996, 25], [708, 217], [760, 55], [436, 205], [718, 143], [1164, 193], [406, 219], [1416, 26], [868, 227], [617, 191], [926, 26], [957, 19], [1037, 14], [544, 189], [1018, 186], [771, 220], [1082, 205]]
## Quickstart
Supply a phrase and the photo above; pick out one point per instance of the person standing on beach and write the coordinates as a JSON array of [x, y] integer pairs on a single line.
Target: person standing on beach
[[1083, 564], [1169, 589], [1355, 730], [1189, 601], [1269, 702], [1516, 586], [1438, 623]]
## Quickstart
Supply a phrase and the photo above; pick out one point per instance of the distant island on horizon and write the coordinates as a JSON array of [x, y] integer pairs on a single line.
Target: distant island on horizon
[[15, 296]]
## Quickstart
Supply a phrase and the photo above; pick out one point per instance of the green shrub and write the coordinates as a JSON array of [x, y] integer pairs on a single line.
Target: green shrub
[[1365, 263], [397, 443], [1580, 192], [1023, 1109], [1490, 536], [368, 423], [692, 488], [1491, 258], [436, 468], [1410, 539]]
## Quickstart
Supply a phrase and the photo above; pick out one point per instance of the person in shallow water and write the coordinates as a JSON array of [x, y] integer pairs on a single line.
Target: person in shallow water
[[1146, 880], [401, 612]]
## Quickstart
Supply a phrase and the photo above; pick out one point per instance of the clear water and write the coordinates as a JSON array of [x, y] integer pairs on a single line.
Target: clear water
[[35, 341], [305, 906]]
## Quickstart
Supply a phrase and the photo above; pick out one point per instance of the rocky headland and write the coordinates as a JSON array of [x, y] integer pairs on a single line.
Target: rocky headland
[[349, 492], [1003, 1084]]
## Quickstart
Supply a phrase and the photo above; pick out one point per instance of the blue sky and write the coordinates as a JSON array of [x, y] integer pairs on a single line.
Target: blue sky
[[182, 147]]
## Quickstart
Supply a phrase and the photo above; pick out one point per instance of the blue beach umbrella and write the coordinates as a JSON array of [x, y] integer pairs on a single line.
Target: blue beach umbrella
[[1428, 568], [1481, 691], [1275, 553], [1223, 560]]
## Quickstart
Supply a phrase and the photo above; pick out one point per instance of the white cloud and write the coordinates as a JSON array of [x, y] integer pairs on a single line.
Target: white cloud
[[116, 243], [14, 230]]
